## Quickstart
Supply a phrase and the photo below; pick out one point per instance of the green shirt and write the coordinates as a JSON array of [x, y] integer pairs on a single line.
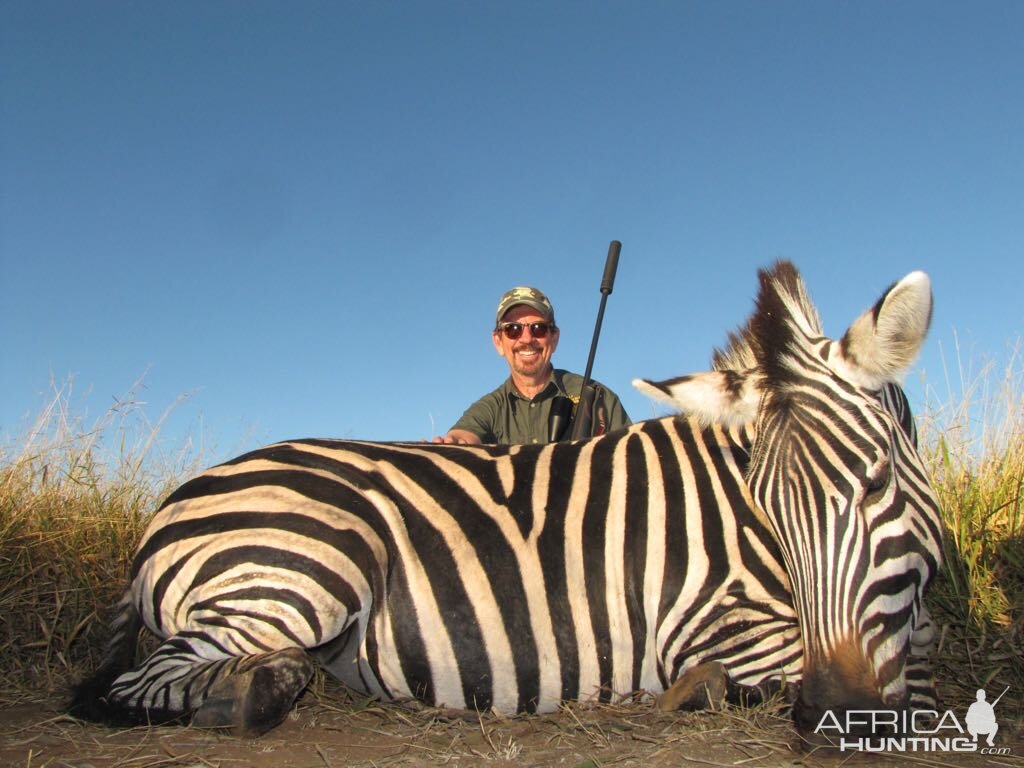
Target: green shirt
[[504, 416]]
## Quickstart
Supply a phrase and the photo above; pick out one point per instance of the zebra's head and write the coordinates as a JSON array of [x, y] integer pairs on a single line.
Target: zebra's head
[[834, 465]]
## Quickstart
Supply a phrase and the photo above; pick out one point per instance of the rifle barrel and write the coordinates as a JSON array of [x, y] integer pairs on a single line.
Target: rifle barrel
[[581, 423], [611, 265]]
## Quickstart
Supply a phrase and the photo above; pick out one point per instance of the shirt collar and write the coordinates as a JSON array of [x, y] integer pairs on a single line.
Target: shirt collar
[[555, 386]]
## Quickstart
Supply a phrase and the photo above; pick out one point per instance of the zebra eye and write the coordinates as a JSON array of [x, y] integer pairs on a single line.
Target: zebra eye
[[876, 485]]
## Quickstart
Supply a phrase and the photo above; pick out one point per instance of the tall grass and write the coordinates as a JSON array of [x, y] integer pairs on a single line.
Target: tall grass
[[74, 500], [973, 443], [975, 453]]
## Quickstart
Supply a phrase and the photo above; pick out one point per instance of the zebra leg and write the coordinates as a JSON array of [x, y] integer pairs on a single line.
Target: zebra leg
[[248, 694], [918, 672], [708, 685], [701, 687], [89, 698], [257, 694]]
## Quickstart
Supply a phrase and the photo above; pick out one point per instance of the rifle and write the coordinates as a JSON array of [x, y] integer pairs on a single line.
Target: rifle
[[582, 420]]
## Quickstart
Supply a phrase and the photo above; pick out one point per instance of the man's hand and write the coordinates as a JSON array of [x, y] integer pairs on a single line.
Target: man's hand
[[458, 437]]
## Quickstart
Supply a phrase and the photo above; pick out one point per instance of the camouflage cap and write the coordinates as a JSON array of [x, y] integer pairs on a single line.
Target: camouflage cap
[[531, 297]]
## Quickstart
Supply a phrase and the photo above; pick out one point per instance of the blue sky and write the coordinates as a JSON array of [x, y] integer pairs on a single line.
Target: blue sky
[[300, 215]]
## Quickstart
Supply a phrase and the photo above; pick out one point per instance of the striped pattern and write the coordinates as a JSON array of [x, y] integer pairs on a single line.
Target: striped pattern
[[859, 525], [506, 578], [836, 469]]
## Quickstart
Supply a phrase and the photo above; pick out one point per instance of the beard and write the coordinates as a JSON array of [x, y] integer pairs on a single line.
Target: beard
[[528, 366]]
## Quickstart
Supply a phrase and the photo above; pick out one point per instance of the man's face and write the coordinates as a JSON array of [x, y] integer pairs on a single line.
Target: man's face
[[527, 356]]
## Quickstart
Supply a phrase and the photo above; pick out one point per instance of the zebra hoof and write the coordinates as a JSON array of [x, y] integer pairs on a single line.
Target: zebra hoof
[[700, 687], [253, 701]]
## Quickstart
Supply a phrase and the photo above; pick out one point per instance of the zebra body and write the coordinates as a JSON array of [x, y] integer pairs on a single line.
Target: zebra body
[[517, 577], [527, 581]]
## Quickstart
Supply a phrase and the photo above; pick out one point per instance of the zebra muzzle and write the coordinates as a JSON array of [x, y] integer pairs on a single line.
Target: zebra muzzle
[[836, 687]]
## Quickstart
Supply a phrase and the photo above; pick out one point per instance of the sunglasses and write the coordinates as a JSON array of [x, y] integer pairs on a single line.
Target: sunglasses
[[513, 331]]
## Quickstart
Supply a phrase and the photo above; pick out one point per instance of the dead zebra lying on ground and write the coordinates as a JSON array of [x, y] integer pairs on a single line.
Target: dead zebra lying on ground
[[784, 529]]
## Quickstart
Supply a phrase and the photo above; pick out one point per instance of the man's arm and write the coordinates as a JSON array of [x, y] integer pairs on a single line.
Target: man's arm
[[476, 425]]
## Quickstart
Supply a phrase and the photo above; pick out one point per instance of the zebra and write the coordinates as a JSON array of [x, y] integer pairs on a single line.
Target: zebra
[[777, 533]]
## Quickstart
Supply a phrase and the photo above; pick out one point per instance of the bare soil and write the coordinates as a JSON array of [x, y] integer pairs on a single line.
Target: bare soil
[[330, 729]]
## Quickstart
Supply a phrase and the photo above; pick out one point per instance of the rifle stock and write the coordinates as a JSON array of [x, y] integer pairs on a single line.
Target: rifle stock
[[561, 416], [583, 420]]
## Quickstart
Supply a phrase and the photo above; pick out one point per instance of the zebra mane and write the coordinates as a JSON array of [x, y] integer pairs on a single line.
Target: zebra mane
[[783, 307]]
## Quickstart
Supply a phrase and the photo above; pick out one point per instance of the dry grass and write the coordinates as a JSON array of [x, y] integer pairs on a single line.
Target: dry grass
[[74, 500], [974, 447], [330, 727]]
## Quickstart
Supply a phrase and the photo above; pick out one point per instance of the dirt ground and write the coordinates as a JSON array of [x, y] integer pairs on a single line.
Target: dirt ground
[[328, 729]]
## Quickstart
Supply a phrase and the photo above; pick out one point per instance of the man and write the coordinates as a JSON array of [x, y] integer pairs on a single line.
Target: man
[[536, 402]]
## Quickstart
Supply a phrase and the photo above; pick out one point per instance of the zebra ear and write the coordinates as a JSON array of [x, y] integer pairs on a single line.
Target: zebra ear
[[724, 397], [884, 341]]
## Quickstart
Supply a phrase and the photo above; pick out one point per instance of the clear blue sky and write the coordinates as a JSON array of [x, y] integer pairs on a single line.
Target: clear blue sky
[[301, 214]]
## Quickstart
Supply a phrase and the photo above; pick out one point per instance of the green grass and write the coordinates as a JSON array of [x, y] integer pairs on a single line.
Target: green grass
[[75, 498]]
